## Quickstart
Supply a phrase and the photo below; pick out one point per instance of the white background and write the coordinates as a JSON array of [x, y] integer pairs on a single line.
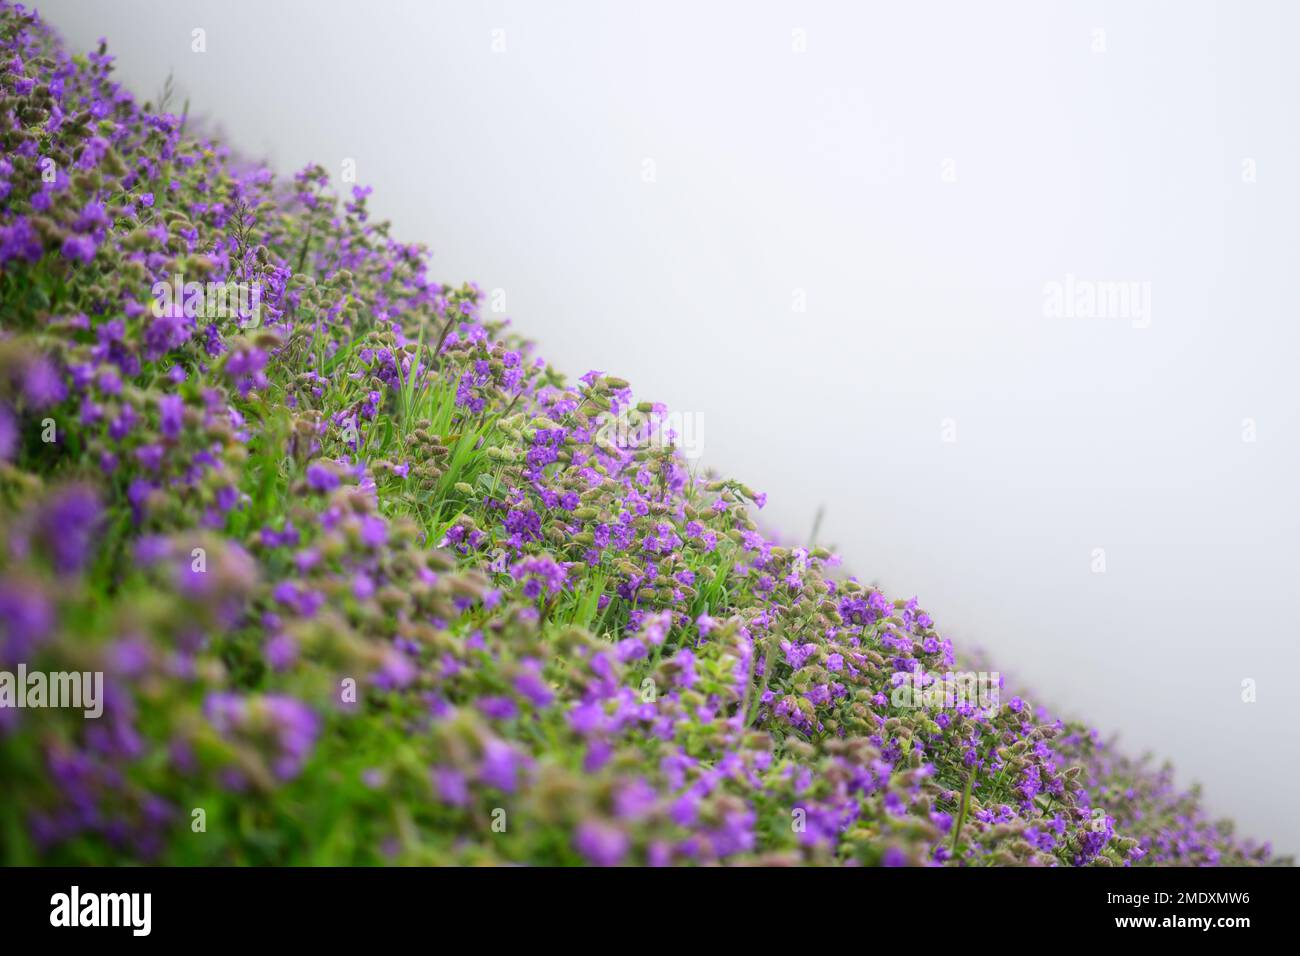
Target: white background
[[824, 171]]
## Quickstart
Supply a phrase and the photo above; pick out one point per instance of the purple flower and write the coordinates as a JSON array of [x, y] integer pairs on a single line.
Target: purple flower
[[603, 844], [79, 249], [281, 652], [8, 433], [42, 384], [451, 786], [539, 574], [529, 684], [498, 707], [69, 523], [374, 531], [286, 727], [26, 619], [19, 241], [171, 411], [635, 799], [296, 727], [321, 478], [500, 766], [893, 857], [150, 456]]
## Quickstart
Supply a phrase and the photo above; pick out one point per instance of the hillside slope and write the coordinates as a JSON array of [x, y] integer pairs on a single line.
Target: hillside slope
[[370, 583]]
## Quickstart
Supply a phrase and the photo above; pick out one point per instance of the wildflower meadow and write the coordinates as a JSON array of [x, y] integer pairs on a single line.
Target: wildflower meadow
[[353, 576]]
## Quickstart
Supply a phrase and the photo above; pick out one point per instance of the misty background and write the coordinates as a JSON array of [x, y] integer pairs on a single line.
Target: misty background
[[826, 231]]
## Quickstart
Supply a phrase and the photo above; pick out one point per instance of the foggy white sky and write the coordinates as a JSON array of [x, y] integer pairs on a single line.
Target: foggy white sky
[[921, 171]]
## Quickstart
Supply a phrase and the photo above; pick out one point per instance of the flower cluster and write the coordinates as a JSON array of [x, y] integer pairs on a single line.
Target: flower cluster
[[370, 582]]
